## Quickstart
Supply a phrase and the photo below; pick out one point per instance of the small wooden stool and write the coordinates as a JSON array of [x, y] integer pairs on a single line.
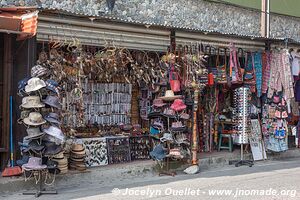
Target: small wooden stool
[[230, 142]]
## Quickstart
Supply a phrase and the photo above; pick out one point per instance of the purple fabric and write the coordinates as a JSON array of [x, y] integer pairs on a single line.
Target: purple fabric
[[297, 91]]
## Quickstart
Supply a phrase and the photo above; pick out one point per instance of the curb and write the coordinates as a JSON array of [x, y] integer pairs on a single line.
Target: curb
[[109, 175]]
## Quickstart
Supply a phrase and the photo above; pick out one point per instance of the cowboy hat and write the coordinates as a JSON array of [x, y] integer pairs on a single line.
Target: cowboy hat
[[34, 163], [53, 101], [169, 96]]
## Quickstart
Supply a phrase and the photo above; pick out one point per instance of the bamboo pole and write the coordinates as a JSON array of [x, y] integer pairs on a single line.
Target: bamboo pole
[[195, 141]]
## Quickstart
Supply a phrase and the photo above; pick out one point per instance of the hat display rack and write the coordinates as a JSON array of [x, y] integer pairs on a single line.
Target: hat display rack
[[44, 138], [241, 114]]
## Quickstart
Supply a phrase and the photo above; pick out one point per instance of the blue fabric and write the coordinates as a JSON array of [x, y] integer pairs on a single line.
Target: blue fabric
[[258, 72], [158, 152]]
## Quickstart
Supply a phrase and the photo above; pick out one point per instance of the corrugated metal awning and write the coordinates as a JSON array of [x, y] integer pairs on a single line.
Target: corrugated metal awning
[[187, 38], [98, 33]]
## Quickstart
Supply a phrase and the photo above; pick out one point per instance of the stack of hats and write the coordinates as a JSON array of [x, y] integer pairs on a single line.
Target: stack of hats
[[44, 137], [62, 162], [77, 157]]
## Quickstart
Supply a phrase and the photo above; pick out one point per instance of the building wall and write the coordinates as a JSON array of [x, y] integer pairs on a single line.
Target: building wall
[[193, 14]]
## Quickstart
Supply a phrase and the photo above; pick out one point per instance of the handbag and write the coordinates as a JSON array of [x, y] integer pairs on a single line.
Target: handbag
[[154, 131], [174, 81], [210, 81]]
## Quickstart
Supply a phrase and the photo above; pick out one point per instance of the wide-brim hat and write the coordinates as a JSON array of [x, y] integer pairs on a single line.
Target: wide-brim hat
[[32, 102], [34, 163], [55, 132], [24, 160], [34, 84], [178, 105], [33, 133], [52, 149], [169, 96], [158, 103], [167, 137], [53, 101], [76, 159], [52, 118], [34, 119], [34, 145]]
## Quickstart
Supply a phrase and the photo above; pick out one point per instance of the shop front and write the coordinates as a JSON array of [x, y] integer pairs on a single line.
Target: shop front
[[101, 95]]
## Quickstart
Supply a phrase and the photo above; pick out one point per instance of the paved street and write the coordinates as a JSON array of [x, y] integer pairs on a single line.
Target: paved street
[[265, 180]]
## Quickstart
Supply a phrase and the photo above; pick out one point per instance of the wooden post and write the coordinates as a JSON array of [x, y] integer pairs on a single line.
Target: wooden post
[[7, 73], [194, 136]]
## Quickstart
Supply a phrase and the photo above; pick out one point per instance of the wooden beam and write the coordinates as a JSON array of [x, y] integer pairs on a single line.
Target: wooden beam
[[7, 83]]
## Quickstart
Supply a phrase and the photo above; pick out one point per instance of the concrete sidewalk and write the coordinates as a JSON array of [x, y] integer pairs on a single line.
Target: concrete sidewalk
[[113, 174]]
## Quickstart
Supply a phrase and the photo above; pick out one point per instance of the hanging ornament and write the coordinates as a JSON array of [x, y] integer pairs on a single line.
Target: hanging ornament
[[110, 4]]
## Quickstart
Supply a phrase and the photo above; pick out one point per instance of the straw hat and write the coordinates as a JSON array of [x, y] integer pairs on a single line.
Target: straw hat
[[59, 156], [77, 148], [61, 162], [169, 96], [77, 159]]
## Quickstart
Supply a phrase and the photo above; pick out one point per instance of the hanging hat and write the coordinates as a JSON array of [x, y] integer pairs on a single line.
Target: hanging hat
[[24, 160], [21, 84], [53, 86], [167, 137], [53, 101], [52, 118], [34, 163], [158, 103], [178, 105], [39, 71], [55, 132], [34, 119], [32, 102], [52, 148], [34, 84], [34, 145], [33, 133], [158, 153], [169, 96]]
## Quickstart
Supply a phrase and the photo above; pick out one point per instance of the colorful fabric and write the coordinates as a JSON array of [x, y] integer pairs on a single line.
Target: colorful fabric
[[266, 58], [258, 73], [281, 76]]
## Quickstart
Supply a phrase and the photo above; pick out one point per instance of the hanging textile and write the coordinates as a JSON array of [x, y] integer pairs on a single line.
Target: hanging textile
[[266, 58], [281, 76], [258, 72]]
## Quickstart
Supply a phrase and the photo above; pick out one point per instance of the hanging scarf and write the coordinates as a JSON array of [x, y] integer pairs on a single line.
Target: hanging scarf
[[258, 72]]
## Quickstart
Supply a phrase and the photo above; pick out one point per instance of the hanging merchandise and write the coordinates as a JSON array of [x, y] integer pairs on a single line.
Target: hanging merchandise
[[221, 76], [258, 72], [281, 77], [266, 60], [235, 72], [242, 114]]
